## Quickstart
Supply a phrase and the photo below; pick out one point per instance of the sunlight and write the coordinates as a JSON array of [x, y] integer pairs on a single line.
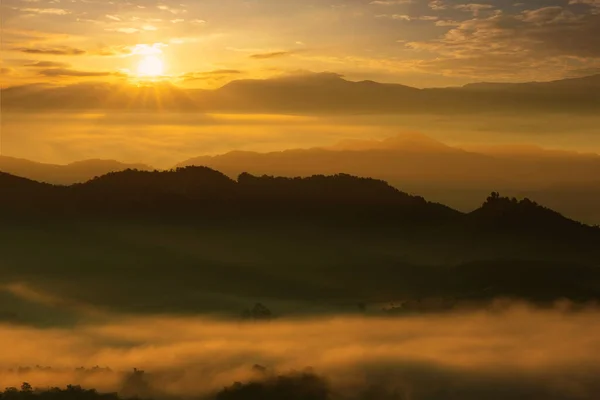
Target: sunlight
[[150, 66]]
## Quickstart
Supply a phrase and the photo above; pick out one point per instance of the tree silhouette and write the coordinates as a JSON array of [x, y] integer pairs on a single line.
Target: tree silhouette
[[304, 386], [26, 387], [258, 313]]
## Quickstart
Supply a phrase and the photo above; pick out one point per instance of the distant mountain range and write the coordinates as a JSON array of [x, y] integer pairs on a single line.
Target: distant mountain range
[[320, 93], [566, 181], [76, 172]]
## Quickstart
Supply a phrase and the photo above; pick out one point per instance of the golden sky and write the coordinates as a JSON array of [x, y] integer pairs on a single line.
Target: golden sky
[[206, 43]]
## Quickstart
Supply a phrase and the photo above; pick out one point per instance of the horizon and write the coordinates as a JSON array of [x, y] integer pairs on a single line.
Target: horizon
[[152, 83]]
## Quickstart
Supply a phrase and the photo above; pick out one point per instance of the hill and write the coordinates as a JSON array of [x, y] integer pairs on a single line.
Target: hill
[[200, 192], [194, 240], [460, 178], [76, 172]]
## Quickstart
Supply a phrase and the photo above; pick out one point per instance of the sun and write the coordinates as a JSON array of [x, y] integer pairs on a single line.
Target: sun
[[150, 66]]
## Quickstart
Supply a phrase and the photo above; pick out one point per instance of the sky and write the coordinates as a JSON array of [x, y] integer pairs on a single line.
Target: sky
[[207, 43]]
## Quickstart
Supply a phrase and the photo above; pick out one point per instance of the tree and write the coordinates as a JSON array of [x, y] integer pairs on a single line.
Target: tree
[[258, 312], [494, 196], [261, 312], [26, 387]]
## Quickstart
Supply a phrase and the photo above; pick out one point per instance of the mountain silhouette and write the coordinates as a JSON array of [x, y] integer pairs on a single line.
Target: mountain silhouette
[[461, 178], [77, 172], [416, 142], [210, 243], [319, 93], [207, 242], [203, 192], [97, 96]]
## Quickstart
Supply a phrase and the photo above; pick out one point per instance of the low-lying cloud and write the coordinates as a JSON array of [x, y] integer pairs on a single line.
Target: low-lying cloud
[[520, 353]]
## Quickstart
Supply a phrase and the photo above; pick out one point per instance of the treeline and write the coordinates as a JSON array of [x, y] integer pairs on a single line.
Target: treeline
[[294, 386], [194, 191], [71, 392]]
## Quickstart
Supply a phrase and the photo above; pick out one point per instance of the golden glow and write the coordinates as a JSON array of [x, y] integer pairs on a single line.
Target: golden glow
[[150, 66]]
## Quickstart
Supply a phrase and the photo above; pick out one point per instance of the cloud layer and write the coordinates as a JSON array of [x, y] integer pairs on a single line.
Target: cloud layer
[[516, 352]]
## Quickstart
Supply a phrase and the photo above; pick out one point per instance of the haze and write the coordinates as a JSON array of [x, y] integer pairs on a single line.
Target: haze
[[299, 200]]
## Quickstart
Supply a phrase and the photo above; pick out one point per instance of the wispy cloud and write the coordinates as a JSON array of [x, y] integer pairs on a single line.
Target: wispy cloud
[[47, 64], [274, 54], [55, 51], [66, 72]]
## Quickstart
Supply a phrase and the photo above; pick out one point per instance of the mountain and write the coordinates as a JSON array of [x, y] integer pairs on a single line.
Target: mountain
[[97, 96], [571, 84], [193, 240], [203, 194], [76, 172], [318, 93], [566, 181], [459, 177], [410, 142]]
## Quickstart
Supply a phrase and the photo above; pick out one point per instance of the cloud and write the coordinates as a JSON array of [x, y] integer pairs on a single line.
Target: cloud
[[466, 356], [124, 51], [537, 42], [217, 74], [275, 54], [437, 5], [474, 8], [172, 10], [404, 17], [65, 72], [56, 51], [127, 30], [47, 64], [391, 2], [50, 11], [581, 72]]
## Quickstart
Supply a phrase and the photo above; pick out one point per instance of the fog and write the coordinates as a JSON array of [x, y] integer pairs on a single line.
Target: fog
[[164, 139], [514, 352]]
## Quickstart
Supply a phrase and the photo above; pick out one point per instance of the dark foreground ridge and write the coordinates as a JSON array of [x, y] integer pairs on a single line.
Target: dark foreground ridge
[[208, 243], [183, 190], [200, 191]]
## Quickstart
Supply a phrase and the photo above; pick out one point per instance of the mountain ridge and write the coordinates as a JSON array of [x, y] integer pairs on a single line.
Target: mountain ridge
[[78, 171], [460, 177], [182, 185], [323, 238], [313, 93]]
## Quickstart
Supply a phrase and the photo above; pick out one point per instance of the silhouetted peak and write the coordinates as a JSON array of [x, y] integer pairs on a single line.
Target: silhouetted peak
[[8, 181], [181, 181], [294, 80], [501, 211], [410, 141], [313, 76], [107, 164], [320, 189]]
